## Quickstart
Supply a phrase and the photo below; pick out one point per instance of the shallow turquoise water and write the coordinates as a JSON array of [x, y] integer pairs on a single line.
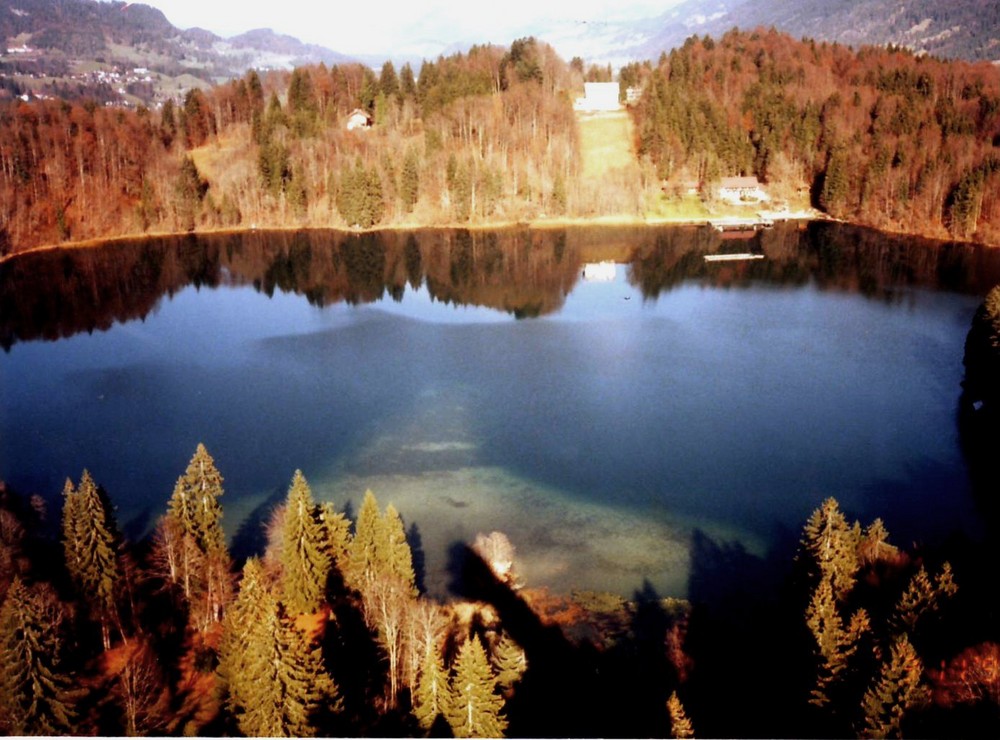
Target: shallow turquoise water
[[599, 434]]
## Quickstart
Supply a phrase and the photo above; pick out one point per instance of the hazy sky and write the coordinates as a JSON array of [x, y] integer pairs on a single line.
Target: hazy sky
[[366, 26]]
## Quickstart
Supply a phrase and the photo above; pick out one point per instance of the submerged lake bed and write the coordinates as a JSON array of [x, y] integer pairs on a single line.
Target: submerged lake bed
[[485, 381]]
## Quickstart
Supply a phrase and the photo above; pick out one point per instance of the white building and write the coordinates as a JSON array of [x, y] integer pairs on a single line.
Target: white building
[[358, 119], [738, 190], [598, 96]]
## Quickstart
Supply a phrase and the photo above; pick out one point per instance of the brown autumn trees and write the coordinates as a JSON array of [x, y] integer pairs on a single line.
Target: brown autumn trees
[[877, 136]]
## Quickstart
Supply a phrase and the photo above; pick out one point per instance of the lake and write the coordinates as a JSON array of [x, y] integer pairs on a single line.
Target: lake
[[604, 396]]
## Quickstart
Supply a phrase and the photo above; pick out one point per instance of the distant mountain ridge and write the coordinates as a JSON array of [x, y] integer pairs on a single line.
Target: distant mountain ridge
[[85, 29], [961, 29]]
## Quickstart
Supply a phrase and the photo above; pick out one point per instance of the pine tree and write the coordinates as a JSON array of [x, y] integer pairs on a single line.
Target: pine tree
[[430, 698], [337, 535], [474, 707], [509, 661], [307, 688], [304, 556], [89, 539], [835, 645], [833, 546], [367, 544], [34, 695], [397, 560], [241, 629], [410, 180], [193, 538], [680, 725], [274, 673], [922, 596], [895, 693]]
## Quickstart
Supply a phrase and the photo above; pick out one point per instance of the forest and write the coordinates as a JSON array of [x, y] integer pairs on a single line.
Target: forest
[[325, 630], [876, 136]]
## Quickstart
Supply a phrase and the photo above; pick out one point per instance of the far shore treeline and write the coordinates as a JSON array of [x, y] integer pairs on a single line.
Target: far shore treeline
[[876, 136]]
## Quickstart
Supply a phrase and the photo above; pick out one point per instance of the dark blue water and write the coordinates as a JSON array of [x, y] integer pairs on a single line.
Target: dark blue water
[[598, 431]]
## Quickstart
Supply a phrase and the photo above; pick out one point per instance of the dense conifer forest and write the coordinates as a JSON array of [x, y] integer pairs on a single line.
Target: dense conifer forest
[[876, 136], [324, 629]]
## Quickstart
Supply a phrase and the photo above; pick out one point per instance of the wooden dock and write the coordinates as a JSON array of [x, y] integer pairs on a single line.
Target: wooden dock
[[735, 257]]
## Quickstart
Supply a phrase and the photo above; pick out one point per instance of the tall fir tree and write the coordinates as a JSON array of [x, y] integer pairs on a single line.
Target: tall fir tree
[[367, 544], [241, 628], [680, 725], [409, 185], [509, 661], [897, 691], [274, 675], [90, 541], [432, 692], [832, 545], [474, 707], [337, 533], [835, 643], [922, 596], [194, 540], [304, 556], [397, 559], [34, 694]]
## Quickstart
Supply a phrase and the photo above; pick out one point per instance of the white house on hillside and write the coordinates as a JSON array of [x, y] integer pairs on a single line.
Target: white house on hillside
[[358, 119], [598, 96], [737, 190]]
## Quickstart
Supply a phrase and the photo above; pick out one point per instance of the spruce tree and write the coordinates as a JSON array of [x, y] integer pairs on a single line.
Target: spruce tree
[[896, 692], [273, 672], [304, 557], [922, 597], [307, 688], [430, 698], [194, 540], [397, 559], [833, 547], [509, 661], [474, 707], [34, 695], [680, 725], [410, 180], [241, 630], [835, 644], [89, 539], [367, 544], [337, 534]]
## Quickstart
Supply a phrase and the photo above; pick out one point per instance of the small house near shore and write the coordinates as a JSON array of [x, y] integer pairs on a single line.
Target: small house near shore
[[739, 190], [358, 119]]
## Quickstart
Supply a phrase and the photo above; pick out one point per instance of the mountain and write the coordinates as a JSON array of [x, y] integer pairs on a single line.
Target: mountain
[[965, 29], [65, 36]]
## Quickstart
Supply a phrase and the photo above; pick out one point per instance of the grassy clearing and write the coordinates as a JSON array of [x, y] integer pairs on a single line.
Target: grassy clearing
[[606, 143]]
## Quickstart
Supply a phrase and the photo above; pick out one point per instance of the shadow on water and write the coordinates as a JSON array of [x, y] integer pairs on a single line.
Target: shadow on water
[[251, 536], [574, 688], [418, 557], [746, 641]]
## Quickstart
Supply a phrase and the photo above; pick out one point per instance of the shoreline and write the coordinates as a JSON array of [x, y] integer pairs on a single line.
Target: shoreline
[[537, 224]]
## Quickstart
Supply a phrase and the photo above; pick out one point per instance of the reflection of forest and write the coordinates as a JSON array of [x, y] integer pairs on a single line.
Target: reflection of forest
[[524, 272], [832, 256], [53, 294]]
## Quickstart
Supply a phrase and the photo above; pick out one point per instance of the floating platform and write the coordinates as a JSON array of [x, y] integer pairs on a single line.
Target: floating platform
[[740, 224], [736, 257]]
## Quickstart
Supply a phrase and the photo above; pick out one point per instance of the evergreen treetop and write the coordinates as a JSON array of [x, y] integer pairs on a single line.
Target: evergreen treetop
[[474, 708], [304, 553]]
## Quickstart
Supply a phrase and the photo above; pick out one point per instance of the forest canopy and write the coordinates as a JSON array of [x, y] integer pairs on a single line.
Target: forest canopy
[[878, 136]]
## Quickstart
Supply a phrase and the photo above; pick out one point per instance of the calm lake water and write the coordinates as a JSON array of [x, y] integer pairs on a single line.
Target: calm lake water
[[481, 381]]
